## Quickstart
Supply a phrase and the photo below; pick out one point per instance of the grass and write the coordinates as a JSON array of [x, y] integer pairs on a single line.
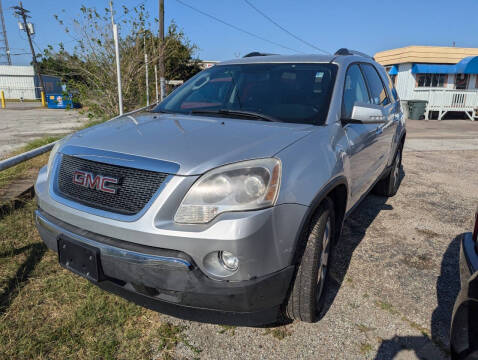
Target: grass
[[424, 331], [365, 348], [364, 328], [280, 332], [227, 329], [386, 306], [46, 312], [23, 169]]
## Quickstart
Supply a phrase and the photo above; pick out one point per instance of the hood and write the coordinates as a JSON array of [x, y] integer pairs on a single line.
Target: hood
[[195, 143]]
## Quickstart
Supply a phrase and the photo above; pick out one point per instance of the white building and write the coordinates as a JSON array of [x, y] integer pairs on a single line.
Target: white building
[[17, 82], [446, 77], [20, 82]]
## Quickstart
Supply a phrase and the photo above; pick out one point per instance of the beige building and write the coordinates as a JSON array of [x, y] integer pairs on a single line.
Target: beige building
[[445, 77]]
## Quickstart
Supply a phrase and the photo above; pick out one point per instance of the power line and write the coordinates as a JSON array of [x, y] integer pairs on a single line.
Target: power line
[[237, 28], [284, 29]]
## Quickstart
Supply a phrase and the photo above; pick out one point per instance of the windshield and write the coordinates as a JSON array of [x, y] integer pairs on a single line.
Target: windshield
[[295, 93]]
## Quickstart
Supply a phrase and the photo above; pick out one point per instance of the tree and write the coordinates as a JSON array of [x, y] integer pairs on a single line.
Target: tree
[[90, 68], [178, 50]]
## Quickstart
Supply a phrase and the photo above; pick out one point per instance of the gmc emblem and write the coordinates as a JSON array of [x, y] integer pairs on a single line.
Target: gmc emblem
[[96, 182]]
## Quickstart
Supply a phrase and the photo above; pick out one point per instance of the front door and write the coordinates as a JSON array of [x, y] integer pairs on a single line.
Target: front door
[[379, 96], [363, 148]]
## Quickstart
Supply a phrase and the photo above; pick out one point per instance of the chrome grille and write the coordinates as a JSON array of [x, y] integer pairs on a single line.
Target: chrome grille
[[134, 190]]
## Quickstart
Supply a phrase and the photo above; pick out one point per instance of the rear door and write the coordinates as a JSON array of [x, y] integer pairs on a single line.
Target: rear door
[[362, 138], [384, 132]]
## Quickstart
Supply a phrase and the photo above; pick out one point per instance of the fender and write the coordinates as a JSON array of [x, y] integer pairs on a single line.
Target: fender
[[300, 240]]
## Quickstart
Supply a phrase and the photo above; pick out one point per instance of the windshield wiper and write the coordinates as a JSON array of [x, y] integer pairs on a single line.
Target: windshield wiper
[[240, 113], [161, 111]]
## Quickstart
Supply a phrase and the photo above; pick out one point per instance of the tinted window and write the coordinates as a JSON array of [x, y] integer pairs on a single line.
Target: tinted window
[[355, 90], [377, 91], [390, 80], [298, 93]]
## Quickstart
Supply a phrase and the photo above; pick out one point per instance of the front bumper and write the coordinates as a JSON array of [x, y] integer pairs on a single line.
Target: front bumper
[[464, 324], [263, 240], [170, 282]]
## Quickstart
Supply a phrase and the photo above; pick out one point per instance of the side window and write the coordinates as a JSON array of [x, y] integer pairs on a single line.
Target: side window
[[390, 80], [355, 90], [377, 91]]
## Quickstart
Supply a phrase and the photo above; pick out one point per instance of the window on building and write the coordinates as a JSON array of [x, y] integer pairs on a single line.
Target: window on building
[[377, 90], [431, 80], [461, 81]]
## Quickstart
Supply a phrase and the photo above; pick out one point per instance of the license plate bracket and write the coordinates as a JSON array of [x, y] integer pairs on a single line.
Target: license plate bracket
[[80, 258]]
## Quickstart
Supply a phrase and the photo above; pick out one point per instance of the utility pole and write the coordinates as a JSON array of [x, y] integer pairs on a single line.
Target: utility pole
[[23, 13], [4, 49], [162, 71], [117, 55], [146, 65], [156, 82]]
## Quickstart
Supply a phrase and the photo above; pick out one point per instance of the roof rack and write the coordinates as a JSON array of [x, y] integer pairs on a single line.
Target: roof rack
[[345, 51], [256, 53]]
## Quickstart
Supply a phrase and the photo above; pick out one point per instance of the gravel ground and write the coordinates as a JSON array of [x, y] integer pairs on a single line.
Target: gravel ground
[[23, 122], [394, 274]]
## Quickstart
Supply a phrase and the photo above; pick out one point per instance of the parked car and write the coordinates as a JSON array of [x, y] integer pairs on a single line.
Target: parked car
[[223, 203], [464, 329]]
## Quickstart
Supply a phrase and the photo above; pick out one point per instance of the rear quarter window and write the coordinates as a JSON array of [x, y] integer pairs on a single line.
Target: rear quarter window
[[388, 80], [376, 87]]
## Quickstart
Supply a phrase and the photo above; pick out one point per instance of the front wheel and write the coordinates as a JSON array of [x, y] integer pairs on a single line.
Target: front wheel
[[388, 186], [308, 288]]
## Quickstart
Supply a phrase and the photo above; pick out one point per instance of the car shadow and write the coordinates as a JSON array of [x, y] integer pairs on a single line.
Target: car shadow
[[447, 288], [353, 232], [14, 285]]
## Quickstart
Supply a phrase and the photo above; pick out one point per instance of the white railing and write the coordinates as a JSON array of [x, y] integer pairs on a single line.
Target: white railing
[[444, 100]]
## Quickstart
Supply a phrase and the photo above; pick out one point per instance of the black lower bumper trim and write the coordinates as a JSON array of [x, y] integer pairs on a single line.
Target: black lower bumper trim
[[255, 318]]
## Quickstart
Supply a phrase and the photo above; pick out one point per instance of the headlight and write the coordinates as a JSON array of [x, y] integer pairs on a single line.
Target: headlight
[[248, 185], [53, 152]]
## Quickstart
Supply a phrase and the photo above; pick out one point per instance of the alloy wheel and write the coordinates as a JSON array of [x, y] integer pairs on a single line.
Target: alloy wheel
[[324, 258]]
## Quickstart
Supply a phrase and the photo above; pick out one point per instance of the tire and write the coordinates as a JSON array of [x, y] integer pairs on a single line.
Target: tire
[[308, 288], [389, 185]]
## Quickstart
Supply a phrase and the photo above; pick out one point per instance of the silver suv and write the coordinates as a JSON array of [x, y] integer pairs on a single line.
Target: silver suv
[[222, 204]]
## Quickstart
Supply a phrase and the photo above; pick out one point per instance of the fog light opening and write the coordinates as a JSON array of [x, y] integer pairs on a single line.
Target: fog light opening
[[228, 260]]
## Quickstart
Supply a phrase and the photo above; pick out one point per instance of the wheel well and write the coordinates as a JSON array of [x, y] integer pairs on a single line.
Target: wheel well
[[338, 195]]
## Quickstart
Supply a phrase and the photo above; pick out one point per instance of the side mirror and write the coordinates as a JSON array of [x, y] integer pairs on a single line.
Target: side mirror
[[367, 114]]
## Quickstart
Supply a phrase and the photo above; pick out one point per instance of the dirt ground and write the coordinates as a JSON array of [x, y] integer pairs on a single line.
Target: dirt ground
[[23, 122], [394, 275]]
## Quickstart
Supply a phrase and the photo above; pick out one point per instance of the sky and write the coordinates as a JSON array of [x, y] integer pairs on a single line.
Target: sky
[[367, 25]]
